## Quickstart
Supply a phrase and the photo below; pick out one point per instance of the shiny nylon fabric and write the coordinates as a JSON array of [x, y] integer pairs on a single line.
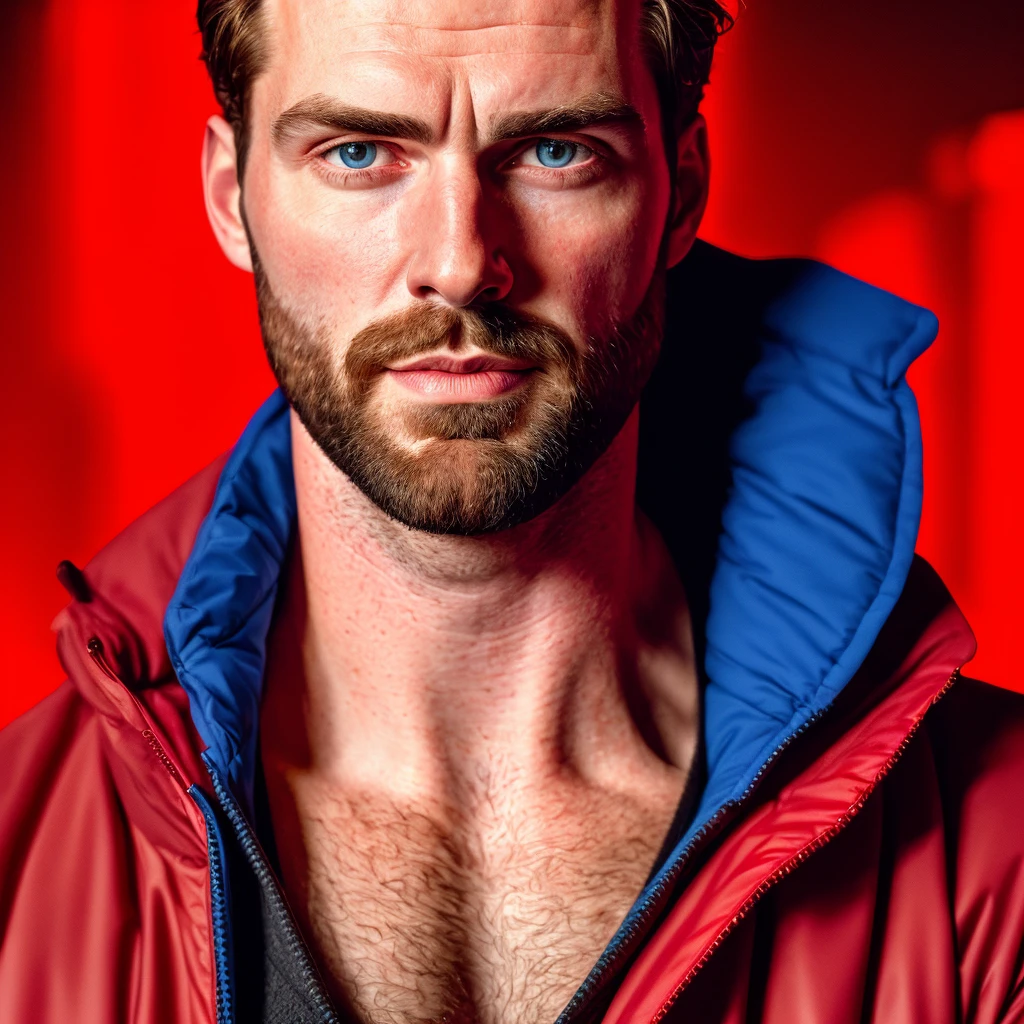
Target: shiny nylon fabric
[[912, 910], [104, 902]]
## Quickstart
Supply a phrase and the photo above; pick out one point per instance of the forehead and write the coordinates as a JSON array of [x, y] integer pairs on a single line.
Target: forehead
[[503, 50]]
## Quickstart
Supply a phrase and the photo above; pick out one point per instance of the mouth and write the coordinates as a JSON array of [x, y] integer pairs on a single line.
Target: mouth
[[448, 378]]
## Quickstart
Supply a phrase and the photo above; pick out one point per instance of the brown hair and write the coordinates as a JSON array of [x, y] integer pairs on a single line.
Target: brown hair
[[679, 37]]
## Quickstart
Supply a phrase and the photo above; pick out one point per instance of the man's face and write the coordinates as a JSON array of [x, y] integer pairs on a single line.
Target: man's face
[[456, 211]]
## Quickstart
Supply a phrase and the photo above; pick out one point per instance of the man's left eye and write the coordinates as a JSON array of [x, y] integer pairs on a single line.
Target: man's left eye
[[355, 156], [554, 153]]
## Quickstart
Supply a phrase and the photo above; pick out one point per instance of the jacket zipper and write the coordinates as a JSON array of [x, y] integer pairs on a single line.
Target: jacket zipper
[[219, 913], [268, 883], [654, 903], [802, 855], [218, 899], [607, 965], [218, 894]]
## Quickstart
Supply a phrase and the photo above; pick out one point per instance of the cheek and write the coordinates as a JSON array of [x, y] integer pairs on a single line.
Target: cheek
[[595, 252], [321, 256]]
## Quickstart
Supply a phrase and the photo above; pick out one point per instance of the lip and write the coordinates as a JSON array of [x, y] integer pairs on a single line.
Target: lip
[[435, 385], [446, 363], [443, 377]]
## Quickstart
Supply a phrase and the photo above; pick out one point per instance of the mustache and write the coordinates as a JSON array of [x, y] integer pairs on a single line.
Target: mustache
[[494, 329]]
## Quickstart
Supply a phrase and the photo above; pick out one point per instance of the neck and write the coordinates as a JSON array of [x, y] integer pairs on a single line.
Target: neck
[[432, 662]]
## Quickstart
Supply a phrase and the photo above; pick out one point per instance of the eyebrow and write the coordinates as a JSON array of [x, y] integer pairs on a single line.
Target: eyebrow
[[323, 112], [599, 109]]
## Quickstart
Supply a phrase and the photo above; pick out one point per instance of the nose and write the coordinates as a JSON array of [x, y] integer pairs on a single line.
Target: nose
[[457, 240]]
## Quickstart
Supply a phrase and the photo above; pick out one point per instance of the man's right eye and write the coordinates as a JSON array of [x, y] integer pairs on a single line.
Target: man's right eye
[[355, 156]]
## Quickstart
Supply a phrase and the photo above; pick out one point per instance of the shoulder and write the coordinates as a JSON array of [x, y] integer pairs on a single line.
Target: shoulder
[[46, 749], [57, 807], [56, 782], [104, 877], [83, 745], [976, 735]]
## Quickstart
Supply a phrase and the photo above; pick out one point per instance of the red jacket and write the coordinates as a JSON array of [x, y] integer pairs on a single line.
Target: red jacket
[[879, 876], [870, 870]]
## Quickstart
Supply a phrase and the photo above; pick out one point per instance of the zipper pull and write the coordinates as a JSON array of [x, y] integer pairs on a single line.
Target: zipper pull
[[99, 656], [73, 580]]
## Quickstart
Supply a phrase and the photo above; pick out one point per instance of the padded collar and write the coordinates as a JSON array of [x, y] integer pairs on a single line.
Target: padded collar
[[780, 458]]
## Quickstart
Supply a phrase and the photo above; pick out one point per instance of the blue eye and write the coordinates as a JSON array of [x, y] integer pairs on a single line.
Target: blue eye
[[555, 152], [357, 154]]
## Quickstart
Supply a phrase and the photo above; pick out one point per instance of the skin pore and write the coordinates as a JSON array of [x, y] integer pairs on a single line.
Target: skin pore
[[473, 745]]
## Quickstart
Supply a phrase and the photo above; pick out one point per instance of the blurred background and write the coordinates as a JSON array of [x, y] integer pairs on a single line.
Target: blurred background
[[884, 136]]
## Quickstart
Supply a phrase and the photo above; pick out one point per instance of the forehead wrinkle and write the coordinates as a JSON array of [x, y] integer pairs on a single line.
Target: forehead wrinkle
[[430, 41], [370, 31], [488, 13], [321, 19], [420, 27]]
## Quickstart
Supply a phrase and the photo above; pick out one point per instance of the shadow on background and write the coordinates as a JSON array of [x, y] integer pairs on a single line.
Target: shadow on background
[[48, 439]]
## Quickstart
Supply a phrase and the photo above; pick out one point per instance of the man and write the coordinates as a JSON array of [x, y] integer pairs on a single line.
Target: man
[[468, 687]]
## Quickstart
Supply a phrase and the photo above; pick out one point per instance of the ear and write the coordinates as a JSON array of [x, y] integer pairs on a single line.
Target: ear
[[223, 192], [690, 190]]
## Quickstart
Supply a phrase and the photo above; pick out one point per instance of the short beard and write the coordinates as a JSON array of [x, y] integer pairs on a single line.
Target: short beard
[[472, 467]]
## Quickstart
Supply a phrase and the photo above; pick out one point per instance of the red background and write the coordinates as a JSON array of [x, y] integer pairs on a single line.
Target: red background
[[877, 135]]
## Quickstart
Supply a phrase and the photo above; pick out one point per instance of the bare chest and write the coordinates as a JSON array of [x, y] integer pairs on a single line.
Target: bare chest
[[417, 919]]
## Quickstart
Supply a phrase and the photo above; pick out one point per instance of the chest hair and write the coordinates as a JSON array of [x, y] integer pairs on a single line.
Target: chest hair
[[417, 918]]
